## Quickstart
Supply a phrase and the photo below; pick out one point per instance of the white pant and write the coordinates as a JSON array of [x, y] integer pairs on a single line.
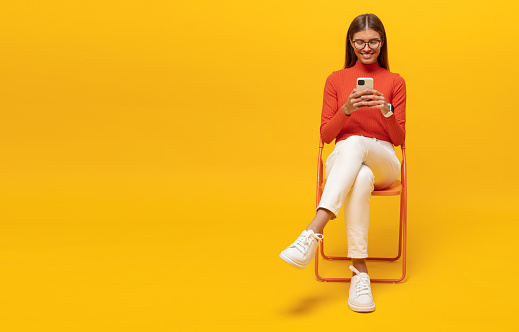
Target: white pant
[[356, 166]]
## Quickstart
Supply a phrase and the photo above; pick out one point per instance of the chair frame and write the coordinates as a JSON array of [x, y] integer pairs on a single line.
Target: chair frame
[[398, 188]]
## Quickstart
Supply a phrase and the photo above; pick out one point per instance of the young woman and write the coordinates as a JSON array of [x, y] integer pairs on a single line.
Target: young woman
[[366, 125]]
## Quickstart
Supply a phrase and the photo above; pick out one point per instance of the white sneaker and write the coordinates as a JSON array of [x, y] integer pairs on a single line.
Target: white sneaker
[[360, 299], [300, 253]]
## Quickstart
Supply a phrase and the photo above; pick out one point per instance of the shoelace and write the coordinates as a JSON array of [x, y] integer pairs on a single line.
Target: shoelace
[[363, 286], [363, 283], [304, 241]]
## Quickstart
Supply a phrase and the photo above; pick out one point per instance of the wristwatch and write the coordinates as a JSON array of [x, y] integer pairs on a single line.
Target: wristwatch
[[391, 111]]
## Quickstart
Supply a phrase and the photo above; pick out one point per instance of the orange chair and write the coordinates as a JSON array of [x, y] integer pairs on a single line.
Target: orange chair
[[397, 188]]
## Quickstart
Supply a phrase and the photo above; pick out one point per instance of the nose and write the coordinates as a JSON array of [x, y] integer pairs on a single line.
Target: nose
[[366, 47]]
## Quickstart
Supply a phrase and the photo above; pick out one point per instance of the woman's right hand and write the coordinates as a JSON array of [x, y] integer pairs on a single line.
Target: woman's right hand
[[356, 100]]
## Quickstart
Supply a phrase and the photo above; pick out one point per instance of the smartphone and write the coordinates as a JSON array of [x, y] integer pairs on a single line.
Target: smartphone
[[364, 83]]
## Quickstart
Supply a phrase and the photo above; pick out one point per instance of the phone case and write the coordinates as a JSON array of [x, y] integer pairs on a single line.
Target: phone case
[[368, 83]]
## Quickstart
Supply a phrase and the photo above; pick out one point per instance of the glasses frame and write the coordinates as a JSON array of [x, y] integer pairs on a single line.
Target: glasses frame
[[366, 43]]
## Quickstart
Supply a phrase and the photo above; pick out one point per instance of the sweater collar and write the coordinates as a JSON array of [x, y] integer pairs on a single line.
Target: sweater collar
[[368, 68]]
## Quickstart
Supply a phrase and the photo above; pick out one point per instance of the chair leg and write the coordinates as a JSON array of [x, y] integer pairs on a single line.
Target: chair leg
[[402, 246], [321, 278]]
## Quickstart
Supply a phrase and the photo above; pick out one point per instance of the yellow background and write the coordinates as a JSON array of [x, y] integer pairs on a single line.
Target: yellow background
[[156, 156]]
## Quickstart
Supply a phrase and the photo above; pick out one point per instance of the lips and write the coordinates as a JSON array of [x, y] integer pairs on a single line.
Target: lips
[[367, 55]]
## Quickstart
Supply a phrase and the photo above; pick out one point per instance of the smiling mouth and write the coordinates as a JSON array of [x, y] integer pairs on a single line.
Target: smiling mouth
[[367, 55]]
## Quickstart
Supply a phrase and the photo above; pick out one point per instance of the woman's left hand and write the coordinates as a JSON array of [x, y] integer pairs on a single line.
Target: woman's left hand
[[377, 100]]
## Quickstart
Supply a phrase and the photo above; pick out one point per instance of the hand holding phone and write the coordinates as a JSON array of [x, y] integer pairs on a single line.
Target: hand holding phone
[[374, 99], [355, 99]]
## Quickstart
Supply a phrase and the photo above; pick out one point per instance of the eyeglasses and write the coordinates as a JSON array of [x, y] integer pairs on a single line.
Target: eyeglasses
[[360, 44]]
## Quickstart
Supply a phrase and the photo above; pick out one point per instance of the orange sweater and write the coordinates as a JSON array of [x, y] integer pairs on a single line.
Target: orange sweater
[[366, 121]]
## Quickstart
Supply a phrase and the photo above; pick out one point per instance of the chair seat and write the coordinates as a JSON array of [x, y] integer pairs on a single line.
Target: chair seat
[[394, 190]]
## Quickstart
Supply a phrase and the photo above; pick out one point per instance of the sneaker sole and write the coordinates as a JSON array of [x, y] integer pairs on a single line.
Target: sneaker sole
[[361, 309], [287, 259]]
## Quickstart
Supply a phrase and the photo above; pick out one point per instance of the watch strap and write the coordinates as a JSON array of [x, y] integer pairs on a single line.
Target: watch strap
[[391, 111]]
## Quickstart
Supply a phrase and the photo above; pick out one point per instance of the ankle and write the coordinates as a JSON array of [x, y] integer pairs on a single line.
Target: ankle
[[319, 221], [360, 264], [316, 230]]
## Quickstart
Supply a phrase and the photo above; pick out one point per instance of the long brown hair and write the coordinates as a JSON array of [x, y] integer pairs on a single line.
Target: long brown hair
[[365, 22]]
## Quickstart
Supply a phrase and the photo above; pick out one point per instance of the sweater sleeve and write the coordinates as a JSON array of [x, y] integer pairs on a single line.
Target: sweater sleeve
[[332, 118], [396, 123]]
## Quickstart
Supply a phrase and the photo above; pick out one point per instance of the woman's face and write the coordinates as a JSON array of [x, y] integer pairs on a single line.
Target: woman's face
[[366, 55]]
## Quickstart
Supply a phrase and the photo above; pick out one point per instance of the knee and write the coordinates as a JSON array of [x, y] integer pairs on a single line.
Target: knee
[[365, 178]]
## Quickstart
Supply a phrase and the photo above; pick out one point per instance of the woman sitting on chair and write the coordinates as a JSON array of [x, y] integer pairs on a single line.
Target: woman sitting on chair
[[366, 125]]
